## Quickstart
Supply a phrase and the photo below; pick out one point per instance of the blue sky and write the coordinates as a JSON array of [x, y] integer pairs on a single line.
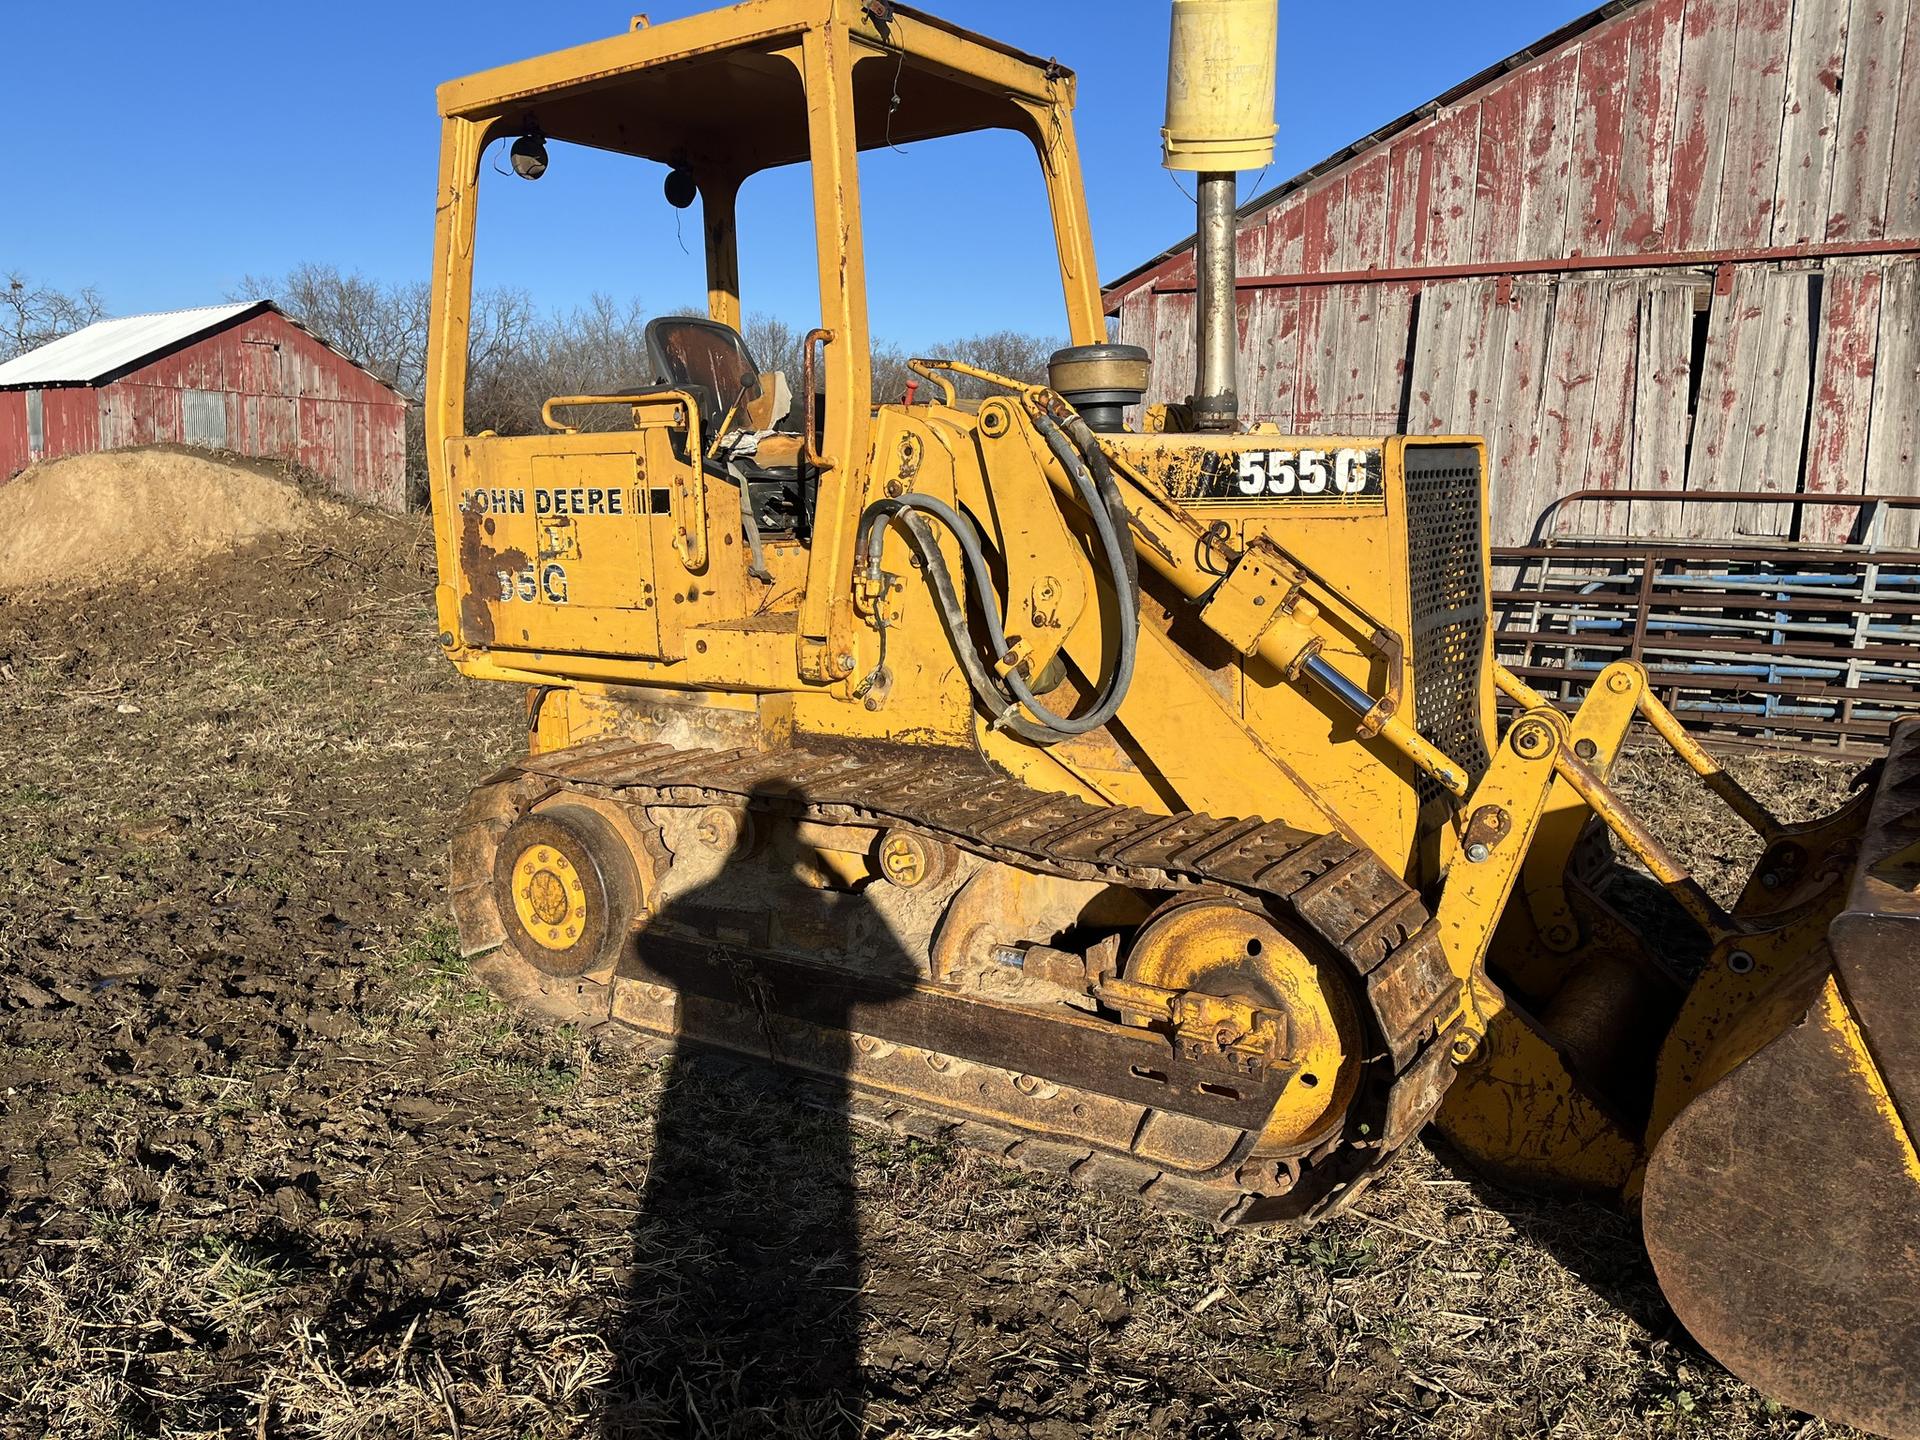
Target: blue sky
[[160, 152]]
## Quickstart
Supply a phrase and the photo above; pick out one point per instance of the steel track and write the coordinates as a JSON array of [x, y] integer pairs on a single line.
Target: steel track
[[1366, 916]]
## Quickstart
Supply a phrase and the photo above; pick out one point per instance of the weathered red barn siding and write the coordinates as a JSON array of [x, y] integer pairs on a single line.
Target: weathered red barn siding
[[283, 394], [70, 419], [1747, 167]]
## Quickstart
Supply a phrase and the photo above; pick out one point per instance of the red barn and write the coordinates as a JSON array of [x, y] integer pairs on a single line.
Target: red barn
[[1675, 245], [240, 377]]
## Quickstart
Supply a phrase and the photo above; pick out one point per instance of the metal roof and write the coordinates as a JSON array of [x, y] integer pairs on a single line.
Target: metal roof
[[107, 347]]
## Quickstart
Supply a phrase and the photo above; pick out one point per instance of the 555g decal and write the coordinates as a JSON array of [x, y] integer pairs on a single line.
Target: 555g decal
[[1350, 475], [1303, 472]]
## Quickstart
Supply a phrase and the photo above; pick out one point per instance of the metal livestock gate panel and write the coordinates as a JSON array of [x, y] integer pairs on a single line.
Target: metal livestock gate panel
[[1755, 642]]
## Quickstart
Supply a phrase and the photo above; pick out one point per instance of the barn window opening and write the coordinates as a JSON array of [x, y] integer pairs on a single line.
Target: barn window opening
[[36, 426], [1697, 356], [1816, 295], [1404, 417]]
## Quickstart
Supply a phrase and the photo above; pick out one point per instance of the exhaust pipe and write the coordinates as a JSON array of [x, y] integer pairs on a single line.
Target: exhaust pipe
[[1216, 326], [1220, 62]]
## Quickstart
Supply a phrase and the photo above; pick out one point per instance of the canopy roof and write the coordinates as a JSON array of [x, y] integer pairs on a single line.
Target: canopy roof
[[712, 92]]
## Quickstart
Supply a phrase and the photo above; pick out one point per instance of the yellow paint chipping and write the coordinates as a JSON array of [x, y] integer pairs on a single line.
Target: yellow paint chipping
[[1853, 1049]]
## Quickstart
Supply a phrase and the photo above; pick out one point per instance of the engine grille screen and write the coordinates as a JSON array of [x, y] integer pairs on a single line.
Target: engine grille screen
[[1448, 604]]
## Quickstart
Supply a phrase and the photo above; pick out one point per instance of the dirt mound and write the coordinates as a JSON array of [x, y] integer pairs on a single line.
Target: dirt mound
[[73, 522]]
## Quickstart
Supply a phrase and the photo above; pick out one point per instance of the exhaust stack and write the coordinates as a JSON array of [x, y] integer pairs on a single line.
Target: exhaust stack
[[1220, 61]]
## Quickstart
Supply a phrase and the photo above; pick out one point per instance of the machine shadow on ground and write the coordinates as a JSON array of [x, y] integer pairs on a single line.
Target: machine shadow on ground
[[743, 1310], [1597, 1242]]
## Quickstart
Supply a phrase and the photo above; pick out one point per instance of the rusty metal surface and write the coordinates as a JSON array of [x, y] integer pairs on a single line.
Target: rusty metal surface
[[1335, 892], [1876, 939], [1099, 1058], [1782, 1201], [1784, 1223], [1767, 643]]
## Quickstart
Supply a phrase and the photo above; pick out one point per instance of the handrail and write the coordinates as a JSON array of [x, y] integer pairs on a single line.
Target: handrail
[[678, 397], [808, 387], [1773, 497], [1732, 497]]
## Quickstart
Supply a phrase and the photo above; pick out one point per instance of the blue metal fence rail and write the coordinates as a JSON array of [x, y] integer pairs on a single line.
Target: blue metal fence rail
[[1772, 643]]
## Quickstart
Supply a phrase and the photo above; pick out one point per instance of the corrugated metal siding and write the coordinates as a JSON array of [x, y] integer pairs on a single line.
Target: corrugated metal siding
[[286, 395], [70, 422], [13, 433], [1719, 126]]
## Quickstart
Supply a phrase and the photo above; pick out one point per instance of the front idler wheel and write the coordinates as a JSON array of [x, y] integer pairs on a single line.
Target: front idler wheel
[[567, 889], [1226, 948]]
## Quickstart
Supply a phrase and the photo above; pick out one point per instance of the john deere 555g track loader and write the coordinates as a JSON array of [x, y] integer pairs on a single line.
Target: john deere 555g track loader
[[1125, 800]]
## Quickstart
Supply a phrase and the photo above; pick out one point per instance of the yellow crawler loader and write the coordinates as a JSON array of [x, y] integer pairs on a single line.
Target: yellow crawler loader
[[1127, 801]]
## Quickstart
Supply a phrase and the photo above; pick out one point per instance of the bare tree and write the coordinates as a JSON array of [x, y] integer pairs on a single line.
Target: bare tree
[[518, 361], [518, 358], [1012, 353], [775, 346], [383, 327], [378, 326], [35, 315]]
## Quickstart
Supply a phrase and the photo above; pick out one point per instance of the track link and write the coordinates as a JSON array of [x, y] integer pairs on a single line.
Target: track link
[[1336, 890]]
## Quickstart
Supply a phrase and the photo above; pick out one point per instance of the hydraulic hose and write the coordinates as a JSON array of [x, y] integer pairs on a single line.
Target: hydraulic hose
[[1005, 698]]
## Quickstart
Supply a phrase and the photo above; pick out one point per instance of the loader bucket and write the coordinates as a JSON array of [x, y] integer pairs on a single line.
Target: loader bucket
[[1782, 1203]]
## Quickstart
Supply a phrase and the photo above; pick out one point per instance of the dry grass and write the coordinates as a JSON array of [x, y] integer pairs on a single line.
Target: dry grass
[[1707, 836], [273, 1168]]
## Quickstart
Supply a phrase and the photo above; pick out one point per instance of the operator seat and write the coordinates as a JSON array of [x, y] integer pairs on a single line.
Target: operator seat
[[710, 361]]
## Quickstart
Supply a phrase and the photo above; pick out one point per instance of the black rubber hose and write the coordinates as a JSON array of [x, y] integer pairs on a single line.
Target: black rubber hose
[[1094, 483], [1087, 444], [1106, 507], [952, 611]]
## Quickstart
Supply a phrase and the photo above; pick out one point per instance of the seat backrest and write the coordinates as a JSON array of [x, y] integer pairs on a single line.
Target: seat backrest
[[708, 360]]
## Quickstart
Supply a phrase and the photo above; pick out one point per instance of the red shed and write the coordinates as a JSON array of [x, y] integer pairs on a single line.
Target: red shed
[[239, 377], [1673, 245]]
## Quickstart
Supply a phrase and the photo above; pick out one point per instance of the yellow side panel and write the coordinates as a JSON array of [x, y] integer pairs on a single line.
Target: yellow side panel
[[558, 544], [1363, 782]]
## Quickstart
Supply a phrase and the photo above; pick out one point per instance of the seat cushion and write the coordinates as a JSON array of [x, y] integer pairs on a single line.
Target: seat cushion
[[777, 452]]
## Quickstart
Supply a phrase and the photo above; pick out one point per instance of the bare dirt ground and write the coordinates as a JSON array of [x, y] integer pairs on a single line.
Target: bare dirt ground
[[270, 1167]]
